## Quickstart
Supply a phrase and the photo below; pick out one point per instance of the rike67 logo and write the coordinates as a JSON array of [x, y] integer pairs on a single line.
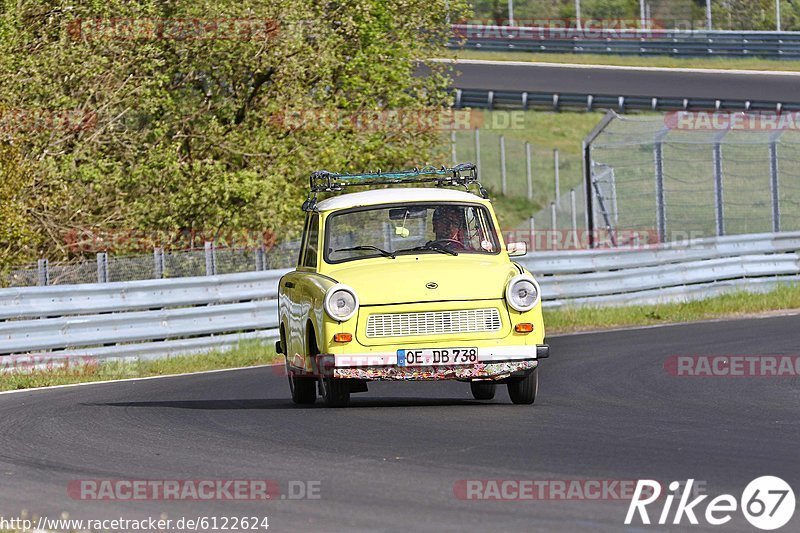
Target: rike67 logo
[[767, 502]]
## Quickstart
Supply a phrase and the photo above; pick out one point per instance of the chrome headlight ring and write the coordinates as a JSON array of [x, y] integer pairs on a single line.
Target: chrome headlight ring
[[341, 302], [522, 293]]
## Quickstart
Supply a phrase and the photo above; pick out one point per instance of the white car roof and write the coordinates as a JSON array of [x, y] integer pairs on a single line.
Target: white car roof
[[392, 196]]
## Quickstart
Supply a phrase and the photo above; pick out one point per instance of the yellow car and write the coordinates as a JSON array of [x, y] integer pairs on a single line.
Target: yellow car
[[407, 283]]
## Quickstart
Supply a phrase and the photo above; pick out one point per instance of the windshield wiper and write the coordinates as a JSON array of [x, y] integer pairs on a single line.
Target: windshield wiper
[[432, 246], [384, 253]]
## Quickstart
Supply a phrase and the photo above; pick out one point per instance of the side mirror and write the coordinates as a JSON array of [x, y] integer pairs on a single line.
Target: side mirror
[[517, 249]]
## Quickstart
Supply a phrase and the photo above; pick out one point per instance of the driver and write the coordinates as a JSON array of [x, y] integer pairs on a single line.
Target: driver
[[448, 224]]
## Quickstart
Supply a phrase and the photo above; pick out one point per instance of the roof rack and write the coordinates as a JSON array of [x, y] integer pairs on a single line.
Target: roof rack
[[461, 175]]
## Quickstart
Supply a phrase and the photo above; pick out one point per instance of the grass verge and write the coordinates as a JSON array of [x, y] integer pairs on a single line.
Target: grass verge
[[249, 353], [738, 304], [732, 305], [724, 63]]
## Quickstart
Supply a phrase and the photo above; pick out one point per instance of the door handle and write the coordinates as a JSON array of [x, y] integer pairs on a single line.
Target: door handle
[[288, 284]]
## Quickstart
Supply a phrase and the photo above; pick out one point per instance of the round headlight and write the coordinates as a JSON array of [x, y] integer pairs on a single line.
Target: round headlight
[[341, 302], [522, 293]]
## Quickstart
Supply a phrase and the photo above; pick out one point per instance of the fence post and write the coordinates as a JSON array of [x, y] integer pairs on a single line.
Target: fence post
[[102, 267], [532, 227], [718, 190], [557, 178], [503, 182], [586, 160], [774, 182], [211, 260], [158, 263], [528, 165], [453, 146], [260, 263], [572, 211], [553, 223], [661, 211], [478, 151], [44, 272]]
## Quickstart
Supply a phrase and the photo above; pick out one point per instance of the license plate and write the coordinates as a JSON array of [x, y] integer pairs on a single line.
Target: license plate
[[438, 356]]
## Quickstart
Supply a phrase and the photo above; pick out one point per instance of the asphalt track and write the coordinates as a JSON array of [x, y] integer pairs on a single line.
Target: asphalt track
[[607, 410], [627, 81]]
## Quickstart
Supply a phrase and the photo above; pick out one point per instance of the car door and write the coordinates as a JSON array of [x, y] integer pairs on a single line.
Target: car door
[[295, 287]]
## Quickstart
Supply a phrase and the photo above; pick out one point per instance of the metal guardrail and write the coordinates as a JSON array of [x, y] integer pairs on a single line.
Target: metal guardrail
[[152, 318], [488, 99], [776, 45], [671, 272], [58, 300], [159, 318]]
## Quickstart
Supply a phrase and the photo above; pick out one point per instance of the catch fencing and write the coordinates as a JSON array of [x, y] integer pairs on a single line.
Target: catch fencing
[[161, 318], [693, 174], [510, 165], [106, 267]]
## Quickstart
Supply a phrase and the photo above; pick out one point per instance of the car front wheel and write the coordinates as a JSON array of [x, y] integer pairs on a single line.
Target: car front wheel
[[482, 390], [523, 390], [335, 392], [304, 390]]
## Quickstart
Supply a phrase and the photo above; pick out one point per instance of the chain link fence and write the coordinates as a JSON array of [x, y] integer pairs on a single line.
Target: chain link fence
[[515, 167], [687, 175], [160, 264]]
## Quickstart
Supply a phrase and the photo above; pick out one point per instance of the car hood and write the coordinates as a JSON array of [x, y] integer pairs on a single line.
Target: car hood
[[408, 279]]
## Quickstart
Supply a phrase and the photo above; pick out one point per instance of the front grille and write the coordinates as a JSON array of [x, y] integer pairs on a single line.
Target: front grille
[[433, 323]]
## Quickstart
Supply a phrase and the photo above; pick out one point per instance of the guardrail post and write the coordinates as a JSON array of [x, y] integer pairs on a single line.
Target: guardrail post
[[556, 173], [44, 272], [478, 151], [661, 210], [211, 259], [528, 166], [158, 263], [719, 199], [102, 267], [503, 181]]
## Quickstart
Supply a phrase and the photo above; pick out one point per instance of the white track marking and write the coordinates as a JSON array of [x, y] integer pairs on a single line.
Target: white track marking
[[616, 67], [758, 316], [54, 387]]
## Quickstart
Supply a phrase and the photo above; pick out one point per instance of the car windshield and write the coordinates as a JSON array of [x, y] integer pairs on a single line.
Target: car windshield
[[389, 231]]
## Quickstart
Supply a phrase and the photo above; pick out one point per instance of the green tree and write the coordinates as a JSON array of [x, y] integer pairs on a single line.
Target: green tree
[[175, 132]]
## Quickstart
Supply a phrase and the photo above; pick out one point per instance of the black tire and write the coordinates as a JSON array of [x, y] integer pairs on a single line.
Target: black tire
[[335, 392], [523, 391], [304, 390], [482, 390]]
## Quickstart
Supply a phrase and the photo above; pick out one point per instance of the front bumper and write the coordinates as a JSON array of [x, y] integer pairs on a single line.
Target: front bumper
[[494, 364]]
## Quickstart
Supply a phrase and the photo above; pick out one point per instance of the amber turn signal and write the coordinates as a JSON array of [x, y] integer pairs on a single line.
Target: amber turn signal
[[525, 327], [343, 337]]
